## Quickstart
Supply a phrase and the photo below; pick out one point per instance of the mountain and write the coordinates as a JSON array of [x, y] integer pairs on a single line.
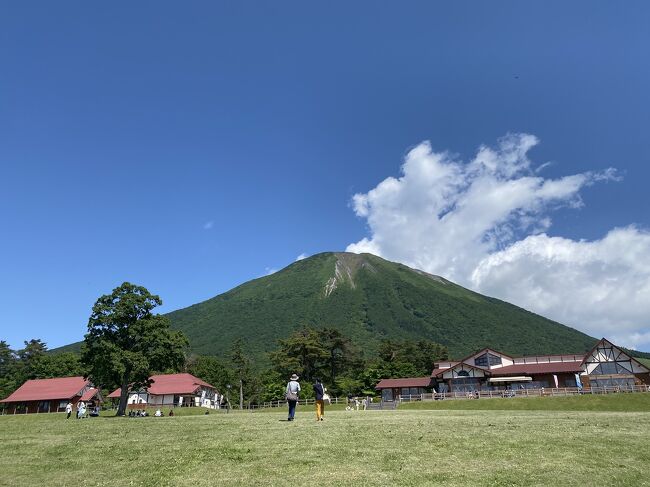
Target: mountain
[[369, 299]]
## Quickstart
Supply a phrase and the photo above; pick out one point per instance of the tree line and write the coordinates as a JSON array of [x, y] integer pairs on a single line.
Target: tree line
[[126, 343]]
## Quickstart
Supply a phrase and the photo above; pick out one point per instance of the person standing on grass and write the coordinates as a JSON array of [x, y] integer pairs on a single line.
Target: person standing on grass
[[293, 389], [319, 392], [68, 410], [81, 409]]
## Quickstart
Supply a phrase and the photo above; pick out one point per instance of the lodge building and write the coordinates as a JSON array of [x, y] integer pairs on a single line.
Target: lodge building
[[172, 390], [605, 365], [51, 395]]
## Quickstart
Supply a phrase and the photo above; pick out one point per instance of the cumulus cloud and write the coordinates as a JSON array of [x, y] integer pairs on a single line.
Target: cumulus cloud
[[482, 223], [301, 256]]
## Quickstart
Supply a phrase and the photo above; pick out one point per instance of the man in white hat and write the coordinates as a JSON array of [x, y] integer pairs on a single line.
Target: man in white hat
[[293, 389]]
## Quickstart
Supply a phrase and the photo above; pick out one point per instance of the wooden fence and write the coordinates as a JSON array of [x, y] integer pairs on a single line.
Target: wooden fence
[[560, 391], [545, 392], [283, 403], [436, 396]]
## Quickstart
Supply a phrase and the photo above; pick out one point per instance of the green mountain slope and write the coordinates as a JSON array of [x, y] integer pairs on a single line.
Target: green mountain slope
[[369, 298]]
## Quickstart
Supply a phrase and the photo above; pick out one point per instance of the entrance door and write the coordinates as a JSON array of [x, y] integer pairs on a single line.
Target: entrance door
[[386, 394]]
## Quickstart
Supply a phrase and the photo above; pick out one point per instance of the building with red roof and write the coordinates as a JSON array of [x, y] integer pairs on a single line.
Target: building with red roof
[[173, 390], [50, 395], [605, 365]]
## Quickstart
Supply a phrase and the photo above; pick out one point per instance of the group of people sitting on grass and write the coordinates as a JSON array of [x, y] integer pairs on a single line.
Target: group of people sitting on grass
[[142, 413], [138, 413]]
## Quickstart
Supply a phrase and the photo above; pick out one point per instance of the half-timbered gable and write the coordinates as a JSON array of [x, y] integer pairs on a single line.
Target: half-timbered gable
[[489, 359], [606, 365], [462, 377]]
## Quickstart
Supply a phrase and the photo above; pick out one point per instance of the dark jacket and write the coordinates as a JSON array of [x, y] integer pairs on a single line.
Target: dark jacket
[[319, 391]]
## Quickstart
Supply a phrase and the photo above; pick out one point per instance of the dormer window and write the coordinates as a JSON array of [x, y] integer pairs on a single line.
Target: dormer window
[[487, 360]]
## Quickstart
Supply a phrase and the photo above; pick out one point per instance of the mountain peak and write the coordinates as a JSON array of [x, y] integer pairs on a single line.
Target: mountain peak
[[369, 299]]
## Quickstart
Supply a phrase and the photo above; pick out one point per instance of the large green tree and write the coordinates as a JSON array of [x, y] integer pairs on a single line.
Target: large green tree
[[342, 355], [407, 358], [303, 353], [126, 342], [212, 370], [8, 363], [242, 367], [30, 360]]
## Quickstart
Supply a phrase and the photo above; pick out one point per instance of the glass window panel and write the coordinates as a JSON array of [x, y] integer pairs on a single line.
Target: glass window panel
[[622, 368], [494, 359], [570, 382], [481, 361], [605, 368], [468, 384]]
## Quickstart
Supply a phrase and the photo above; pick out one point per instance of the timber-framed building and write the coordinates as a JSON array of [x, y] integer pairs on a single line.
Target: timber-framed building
[[604, 366]]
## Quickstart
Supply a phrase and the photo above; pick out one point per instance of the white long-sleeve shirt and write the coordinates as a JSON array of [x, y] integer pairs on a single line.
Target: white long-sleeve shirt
[[293, 386]]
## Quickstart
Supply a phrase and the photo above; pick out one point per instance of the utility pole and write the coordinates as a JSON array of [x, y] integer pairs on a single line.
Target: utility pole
[[241, 394]]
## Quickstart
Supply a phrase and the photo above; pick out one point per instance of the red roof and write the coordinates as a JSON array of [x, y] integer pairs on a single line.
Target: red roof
[[545, 368], [408, 382], [89, 394], [171, 384], [48, 389], [437, 371]]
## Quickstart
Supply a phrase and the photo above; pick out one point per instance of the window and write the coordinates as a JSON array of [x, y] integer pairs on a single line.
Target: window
[[387, 395], [43, 406], [570, 382], [463, 373], [468, 384], [487, 360], [622, 383], [607, 368]]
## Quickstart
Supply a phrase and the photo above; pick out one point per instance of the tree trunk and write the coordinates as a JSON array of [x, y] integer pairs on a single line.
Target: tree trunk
[[124, 396], [241, 394]]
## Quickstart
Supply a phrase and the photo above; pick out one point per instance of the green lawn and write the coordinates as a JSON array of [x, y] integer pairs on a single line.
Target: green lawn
[[596, 402], [402, 447]]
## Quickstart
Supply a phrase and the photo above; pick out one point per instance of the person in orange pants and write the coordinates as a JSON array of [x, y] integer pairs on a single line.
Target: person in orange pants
[[319, 390]]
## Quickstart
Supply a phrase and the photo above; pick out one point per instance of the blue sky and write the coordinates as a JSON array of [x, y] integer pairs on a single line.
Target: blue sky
[[189, 148]]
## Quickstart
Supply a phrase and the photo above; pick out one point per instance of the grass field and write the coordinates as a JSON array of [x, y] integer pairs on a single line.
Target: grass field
[[495, 447], [596, 402]]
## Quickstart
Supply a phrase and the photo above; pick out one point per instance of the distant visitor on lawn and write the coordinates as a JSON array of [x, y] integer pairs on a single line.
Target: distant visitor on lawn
[[319, 392], [293, 389]]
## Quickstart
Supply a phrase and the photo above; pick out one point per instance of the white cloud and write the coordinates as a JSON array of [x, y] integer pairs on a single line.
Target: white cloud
[[602, 286], [301, 256], [481, 223], [208, 225], [270, 270]]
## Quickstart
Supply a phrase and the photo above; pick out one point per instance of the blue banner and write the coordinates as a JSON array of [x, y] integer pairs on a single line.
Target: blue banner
[[578, 381]]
